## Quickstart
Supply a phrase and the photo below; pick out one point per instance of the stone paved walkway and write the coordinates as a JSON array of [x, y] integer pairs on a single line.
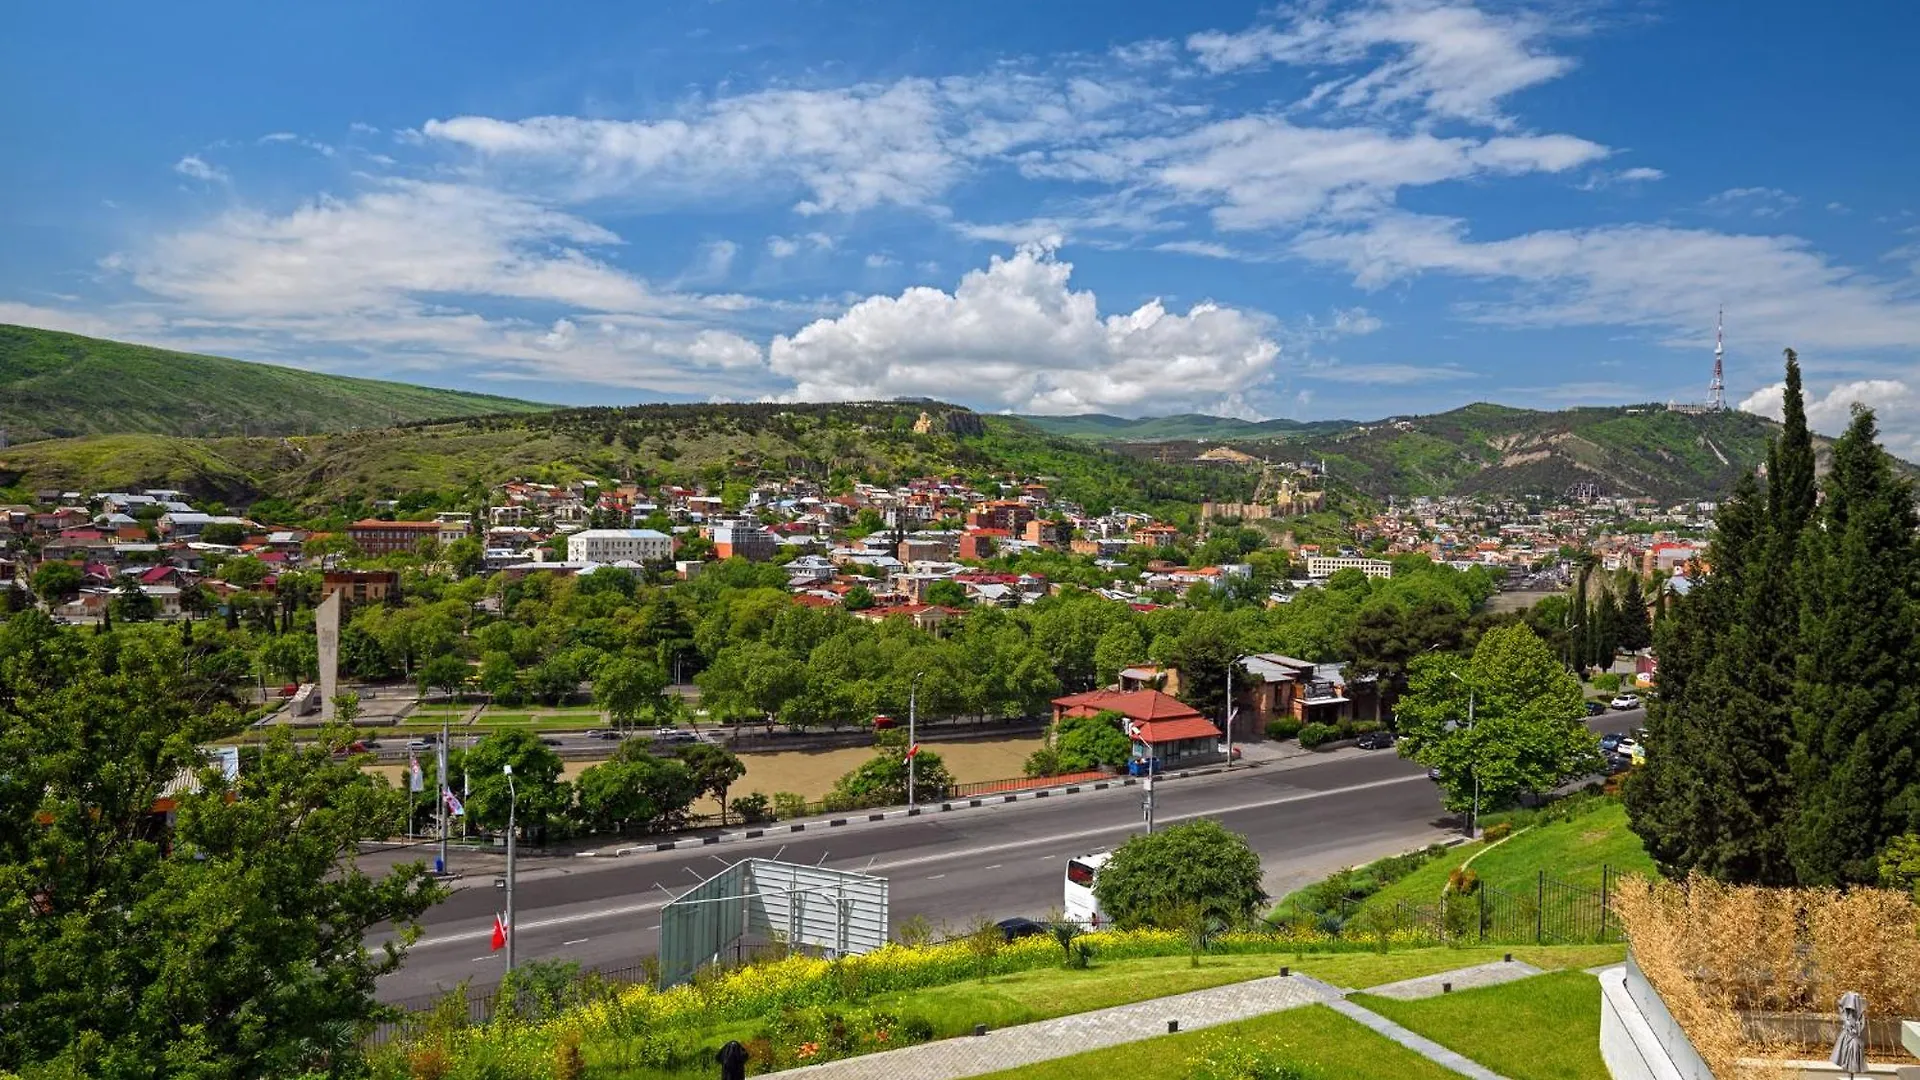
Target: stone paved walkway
[[1466, 978], [951, 1059]]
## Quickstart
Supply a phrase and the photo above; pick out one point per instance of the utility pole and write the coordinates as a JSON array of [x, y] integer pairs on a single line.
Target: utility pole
[[1231, 664], [913, 696], [513, 806], [1146, 800], [1473, 822]]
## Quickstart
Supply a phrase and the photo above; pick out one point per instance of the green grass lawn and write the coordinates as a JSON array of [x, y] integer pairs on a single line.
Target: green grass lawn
[[1046, 993], [1325, 1044], [1570, 851], [1544, 1028]]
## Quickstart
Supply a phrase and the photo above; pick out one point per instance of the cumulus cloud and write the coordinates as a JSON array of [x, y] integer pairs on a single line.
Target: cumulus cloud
[[1894, 402], [1760, 202], [194, 167], [1015, 335], [1445, 59]]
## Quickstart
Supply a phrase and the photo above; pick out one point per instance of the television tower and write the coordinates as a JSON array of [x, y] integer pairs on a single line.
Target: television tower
[[1717, 389]]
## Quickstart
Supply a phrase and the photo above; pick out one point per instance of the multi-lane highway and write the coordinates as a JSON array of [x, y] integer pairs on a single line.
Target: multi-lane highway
[[1306, 817]]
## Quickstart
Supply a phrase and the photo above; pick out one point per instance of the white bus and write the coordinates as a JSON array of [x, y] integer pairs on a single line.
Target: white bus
[[1081, 906]]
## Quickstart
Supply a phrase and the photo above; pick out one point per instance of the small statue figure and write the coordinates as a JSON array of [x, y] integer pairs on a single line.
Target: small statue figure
[[1850, 1048]]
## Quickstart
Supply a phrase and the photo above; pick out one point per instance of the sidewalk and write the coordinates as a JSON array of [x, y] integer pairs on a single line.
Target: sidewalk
[[1048, 1040]]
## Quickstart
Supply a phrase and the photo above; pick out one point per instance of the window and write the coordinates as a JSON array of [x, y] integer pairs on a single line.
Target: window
[[1080, 874]]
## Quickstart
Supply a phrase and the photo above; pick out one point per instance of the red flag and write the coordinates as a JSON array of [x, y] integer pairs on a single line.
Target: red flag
[[499, 933], [911, 750]]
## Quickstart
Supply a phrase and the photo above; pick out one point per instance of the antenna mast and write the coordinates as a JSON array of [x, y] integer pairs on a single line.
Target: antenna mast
[[1717, 389]]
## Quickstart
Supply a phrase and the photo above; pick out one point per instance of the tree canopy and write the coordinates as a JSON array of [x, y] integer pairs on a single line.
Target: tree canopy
[[1153, 877]]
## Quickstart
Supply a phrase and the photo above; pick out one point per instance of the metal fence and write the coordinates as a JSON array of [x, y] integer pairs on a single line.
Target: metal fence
[[1553, 912]]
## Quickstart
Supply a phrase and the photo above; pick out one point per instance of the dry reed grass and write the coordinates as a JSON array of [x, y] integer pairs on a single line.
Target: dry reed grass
[[1714, 951]]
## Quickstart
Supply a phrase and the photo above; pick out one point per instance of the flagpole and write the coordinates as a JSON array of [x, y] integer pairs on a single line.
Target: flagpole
[[513, 805], [446, 789]]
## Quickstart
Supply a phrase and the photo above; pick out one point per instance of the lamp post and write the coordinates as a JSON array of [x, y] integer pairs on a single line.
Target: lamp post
[[513, 806], [913, 701], [1473, 823]]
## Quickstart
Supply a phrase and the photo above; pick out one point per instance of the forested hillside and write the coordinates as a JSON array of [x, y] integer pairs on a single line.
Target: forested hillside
[[730, 445], [54, 385]]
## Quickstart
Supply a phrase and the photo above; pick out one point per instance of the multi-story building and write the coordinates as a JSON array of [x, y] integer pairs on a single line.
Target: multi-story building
[[359, 586], [1325, 566], [1009, 514], [375, 537], [615, 545], [749, 542]]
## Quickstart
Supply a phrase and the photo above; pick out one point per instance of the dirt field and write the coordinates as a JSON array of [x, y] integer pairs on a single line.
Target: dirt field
[[1520, 598], [812, 773]]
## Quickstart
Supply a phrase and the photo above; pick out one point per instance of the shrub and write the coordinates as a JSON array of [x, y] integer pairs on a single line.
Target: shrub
[[1364, 726], [1043, 762], [753, 808], [1607, 683], [1285, 727], [1497, 832], [1242, 1061], [786, 804], [1315, 735], [1463, 881]]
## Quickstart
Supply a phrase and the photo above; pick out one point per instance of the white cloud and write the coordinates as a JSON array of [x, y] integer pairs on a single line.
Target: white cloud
[[1014, 335], [877, 261], [1894, 402], [1777, 290], [1264, 171], [847, 149], [192, 166], [1641, 174], [1384, 374], [782, 247], [716, 258], [1445, 59], [1761, 202], [1626, 177]]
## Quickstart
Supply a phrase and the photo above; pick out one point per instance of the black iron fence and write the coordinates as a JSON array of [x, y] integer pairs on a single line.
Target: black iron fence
[[1553, 912]]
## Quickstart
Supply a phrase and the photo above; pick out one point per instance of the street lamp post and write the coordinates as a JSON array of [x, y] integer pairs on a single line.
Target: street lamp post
[[913, 701], [513, 806], [1473, 823]]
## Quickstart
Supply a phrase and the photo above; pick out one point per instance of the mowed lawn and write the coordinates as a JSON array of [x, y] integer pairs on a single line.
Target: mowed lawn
[[1543, 1028], [1361, 970], [1324, 1044], [1570, 851]]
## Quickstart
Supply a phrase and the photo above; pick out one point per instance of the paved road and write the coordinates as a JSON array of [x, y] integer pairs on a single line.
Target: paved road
[[1305, 817]]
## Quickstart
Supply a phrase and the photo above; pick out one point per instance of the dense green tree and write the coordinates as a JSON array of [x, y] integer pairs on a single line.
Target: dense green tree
[[1857, 766], [1120, 647], [1091, 742], [499, 678], [628, 687], [1528, 730], [1384, 638], [542, 795], [131, 603], [57, 582], [228, 944], [947, 593], [244, 571], [858, 598], [882, 779], [1636, 632], [1203, 651], [714, 770], [636, 789], [446, 673], [1151, 877]]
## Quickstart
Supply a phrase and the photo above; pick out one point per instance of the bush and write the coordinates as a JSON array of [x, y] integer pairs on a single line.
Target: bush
[[1497, 832], [1285, 727], [1043, 762], [1607, 683], [788, 805], [753, 808], [1364, 726], [1314, 735]]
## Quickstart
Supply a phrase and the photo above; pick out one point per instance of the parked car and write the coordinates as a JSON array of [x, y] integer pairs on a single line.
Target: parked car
[[1618, 763], [882, 723], [1433, 774], [1610, 742], [1017, 928], [1375, 740], [1627, 745], [1595, 708], [1626, 701]]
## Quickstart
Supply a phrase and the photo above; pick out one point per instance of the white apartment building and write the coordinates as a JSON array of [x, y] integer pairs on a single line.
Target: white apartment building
[[613, 545], [1325, 566]]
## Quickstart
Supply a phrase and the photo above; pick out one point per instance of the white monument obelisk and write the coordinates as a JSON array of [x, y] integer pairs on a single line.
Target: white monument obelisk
[[326, 625]]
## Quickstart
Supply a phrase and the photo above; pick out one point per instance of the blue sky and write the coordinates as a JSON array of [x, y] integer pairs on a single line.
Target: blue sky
[[1320, 209]]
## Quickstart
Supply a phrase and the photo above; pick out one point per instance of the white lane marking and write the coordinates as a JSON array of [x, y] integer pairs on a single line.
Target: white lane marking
[[1082, 834], [995, 866], [575, 941], [935, 877], [477, 959]]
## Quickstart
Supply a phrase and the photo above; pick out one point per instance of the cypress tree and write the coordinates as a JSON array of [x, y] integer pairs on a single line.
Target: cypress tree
[[1634, 631], [1858, 704], [1672, 801]]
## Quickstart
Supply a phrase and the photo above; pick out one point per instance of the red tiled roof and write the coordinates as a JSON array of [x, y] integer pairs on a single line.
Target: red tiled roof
[[1166, 731], [1140, 706]]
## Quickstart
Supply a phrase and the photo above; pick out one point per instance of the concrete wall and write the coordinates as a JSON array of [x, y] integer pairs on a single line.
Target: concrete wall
[[1639, 1038]]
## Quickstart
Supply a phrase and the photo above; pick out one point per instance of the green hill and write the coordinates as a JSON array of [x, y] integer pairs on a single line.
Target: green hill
[[736, 445], [1101, 426], [55, 385], [1495, 450]]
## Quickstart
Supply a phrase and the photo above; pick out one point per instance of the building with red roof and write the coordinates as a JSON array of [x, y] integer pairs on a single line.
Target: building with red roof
[[1161, 725]]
